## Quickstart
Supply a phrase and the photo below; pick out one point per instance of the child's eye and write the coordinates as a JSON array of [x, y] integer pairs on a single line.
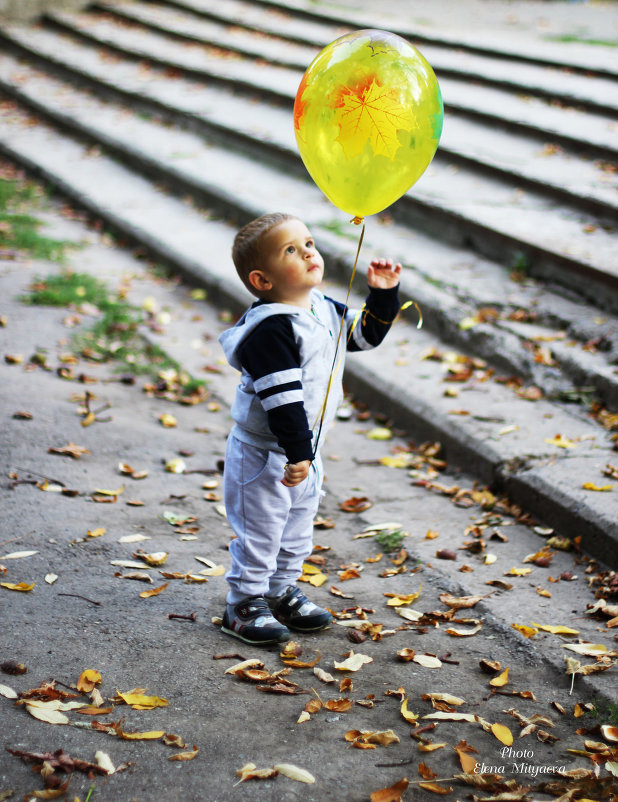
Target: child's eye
[[290, 249], [310, 243]]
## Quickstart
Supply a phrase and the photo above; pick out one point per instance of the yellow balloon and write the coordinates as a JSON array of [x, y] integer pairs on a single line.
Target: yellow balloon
[[368, 118]]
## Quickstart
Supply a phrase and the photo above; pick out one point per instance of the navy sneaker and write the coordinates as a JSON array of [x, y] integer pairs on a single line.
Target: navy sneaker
[[252, 621], [295, 610]]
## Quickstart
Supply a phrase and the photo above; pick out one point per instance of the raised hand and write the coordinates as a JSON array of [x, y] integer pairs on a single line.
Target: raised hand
[[382, 274]]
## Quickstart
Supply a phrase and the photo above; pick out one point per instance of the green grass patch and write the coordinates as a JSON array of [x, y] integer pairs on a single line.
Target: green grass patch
[[390, 539], [582, 40], [114, 336], [606, 712], [19, 230]]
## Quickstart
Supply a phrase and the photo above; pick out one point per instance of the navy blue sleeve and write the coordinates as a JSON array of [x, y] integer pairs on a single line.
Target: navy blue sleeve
[[271, 356], [380, 309]]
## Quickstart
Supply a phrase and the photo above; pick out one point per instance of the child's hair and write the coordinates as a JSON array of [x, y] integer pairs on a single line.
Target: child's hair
[[246, 247]]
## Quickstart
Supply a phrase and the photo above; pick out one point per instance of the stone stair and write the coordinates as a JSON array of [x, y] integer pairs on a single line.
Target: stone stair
[[174, 128]]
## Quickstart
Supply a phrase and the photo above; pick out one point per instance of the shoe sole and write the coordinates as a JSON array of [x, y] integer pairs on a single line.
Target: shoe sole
[[280, 639], [308, 629]]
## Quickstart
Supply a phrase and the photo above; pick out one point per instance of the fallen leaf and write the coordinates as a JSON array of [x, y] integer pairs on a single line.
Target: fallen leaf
[[71, 450], [47, 715], [427, 661], [408, 715], [435, 788], [555, 629], [392, 793], [17, 555], [146, 594], [175, 465], [251, 772], [444, 697], [502, 733], [167, 420], [87, 680], [7, 692], [527, 632], [152, 735], [464, 633], [294, 772], [138, 701], [23, 587], [590, 649], [561, 442], [356, 504], [323, 676], [104, 761], [518, 572], [96, 532], [339, 705], [51, 578], [353, 663], [459, 602], [501, 680], [600, 488]]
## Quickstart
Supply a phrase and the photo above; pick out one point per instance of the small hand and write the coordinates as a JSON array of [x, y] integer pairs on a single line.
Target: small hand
[[381, 274], [295, 473]]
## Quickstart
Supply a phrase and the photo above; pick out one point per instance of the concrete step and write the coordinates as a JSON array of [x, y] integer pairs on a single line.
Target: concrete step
[[574, 128], [548, 82], [449, 295], [435, 202], [513, 45], [510, 448]]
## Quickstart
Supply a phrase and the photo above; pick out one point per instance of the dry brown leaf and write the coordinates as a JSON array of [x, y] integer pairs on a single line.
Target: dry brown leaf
[[392, 793], [146, 594], [339, 705], [435, 788], [185, 755]]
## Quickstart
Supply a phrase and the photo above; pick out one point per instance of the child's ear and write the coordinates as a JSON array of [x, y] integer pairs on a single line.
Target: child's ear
[[258, 281]]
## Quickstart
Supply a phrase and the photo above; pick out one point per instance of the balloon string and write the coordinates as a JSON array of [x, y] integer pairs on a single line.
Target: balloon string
[[333, 370]]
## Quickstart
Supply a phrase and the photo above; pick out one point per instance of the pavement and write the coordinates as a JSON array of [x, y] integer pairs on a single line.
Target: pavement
[[460, 541]]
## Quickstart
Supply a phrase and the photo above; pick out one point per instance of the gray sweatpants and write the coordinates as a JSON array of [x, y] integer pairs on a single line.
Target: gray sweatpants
[[273, 524]]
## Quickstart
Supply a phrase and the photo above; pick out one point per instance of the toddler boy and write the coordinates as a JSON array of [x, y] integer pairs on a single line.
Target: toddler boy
[[284, 346]]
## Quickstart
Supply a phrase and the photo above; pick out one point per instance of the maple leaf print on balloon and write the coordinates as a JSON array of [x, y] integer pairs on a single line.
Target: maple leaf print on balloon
[[369, 112]]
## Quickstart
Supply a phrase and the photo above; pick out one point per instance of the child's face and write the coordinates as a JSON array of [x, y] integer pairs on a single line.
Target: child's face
[[290, 265]]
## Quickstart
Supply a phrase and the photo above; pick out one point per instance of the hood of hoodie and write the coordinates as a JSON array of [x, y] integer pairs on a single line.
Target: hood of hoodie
[[232, 338]]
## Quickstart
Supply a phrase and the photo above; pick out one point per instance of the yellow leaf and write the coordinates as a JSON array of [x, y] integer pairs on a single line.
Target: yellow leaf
[[397, 461], [399, 600], [592, 486], [502, 733], [560, 441], [96, 532], [139, 701], [156, 558], [310, 569], [527, 632], [501, 679], [518, 572], [408, 714], [146, 594], [21, 586], [185, 755], [426, 747], [590, 649], [87, 680], [543, 592], [152, 735], [555, 629], [175, 465], [444, 697], [368, 113], [380, 433], [167, 420], [110, 492], [431, 535]]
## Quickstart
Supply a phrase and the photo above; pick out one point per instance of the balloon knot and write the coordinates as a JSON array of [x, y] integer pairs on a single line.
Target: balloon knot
[[358, 221]]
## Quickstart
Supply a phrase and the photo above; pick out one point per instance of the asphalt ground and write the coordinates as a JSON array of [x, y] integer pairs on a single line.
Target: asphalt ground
[[90, 618]]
